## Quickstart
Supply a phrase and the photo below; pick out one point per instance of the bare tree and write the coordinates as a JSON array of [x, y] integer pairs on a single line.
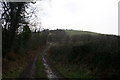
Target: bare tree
[[13, 15]]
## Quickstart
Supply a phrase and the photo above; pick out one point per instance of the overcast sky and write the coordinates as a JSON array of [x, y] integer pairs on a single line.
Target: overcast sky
[[89, 15]]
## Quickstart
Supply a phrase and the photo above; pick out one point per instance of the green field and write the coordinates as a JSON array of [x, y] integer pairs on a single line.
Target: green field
[[77, 32]]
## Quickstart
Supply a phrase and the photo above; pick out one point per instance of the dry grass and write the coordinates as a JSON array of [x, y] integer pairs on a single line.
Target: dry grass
[[14, 64]]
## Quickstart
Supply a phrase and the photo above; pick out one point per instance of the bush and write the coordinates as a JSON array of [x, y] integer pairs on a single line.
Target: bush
[[102, 53], [11, 56]]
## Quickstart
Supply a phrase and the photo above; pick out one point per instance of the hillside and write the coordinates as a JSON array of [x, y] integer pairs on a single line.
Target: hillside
[[87, 55], [73, 54]]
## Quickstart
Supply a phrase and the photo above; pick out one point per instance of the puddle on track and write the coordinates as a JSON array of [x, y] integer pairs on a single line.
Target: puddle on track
[[50, 74]]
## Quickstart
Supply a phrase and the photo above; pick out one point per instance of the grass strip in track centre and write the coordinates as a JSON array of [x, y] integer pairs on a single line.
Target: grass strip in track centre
[[40, 69]]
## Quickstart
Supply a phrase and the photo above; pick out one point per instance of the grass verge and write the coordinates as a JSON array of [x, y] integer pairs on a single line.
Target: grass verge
[[71, 71]]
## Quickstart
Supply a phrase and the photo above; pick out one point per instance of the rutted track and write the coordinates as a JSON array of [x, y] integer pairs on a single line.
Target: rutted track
[[29, 71], [51, 71]]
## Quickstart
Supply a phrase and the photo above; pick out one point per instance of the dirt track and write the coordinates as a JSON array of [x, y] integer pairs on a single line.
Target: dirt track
[[29, 71], [52, 73]]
